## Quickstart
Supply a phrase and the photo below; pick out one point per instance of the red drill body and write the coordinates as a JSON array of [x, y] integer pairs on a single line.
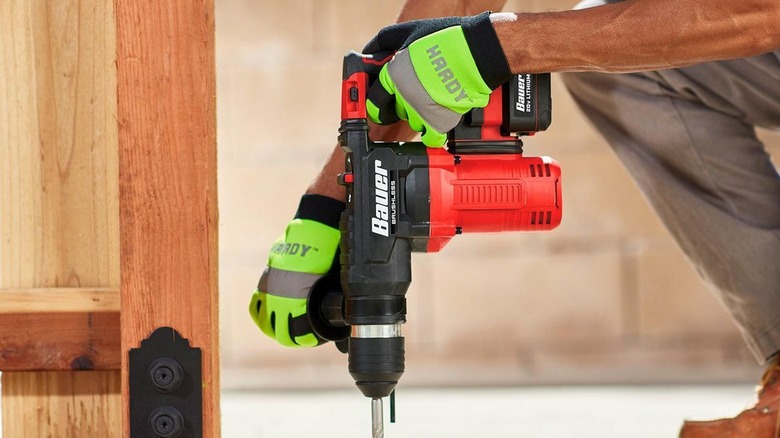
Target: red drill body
[[491, 193]]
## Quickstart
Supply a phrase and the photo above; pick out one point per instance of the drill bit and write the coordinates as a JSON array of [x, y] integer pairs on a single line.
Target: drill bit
[[377, 425]]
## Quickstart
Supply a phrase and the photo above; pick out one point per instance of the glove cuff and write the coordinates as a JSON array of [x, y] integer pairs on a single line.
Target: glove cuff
[[322, 209], [486, 49]]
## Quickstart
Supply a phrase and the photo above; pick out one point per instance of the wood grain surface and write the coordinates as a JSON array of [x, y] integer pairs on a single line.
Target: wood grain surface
[[59, 300], [168, 180], [62, 341], [85, 401], [59, 225]]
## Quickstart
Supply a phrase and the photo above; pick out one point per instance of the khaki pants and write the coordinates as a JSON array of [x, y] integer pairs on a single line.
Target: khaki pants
[[687, 137]]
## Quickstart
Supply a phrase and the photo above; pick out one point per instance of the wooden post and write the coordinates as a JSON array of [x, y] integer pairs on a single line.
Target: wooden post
[[58, 219], [84, 89], [168, 181]]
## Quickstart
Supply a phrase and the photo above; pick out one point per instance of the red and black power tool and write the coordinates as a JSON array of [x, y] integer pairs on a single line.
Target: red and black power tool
[[406, 197]]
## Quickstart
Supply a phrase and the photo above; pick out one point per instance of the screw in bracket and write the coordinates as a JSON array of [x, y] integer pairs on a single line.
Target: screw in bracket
[[166, 374], [166, 422]]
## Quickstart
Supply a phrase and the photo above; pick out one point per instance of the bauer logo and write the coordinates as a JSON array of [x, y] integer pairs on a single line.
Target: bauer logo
[[384, 201], [524, 96]]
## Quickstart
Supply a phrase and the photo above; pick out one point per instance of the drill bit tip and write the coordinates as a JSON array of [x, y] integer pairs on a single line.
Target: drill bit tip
[[377, 420]]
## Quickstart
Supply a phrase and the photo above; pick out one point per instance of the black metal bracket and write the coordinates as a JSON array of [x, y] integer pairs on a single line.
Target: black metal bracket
[[166, 399]]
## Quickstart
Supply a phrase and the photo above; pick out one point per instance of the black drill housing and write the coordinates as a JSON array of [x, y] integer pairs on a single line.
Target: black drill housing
[[376, 260], [387, 217]]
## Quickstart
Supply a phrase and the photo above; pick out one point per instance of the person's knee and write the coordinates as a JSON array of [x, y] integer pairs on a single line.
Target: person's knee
[[575, 82], [585, 85]]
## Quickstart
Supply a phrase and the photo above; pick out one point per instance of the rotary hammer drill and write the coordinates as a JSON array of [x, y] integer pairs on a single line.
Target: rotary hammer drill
[[406, 197]]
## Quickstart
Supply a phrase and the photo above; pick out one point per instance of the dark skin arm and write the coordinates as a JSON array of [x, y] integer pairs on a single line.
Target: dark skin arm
[[637, 35]]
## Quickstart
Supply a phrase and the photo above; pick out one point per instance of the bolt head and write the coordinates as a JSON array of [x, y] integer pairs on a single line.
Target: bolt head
[[166, 373], [167, 422]]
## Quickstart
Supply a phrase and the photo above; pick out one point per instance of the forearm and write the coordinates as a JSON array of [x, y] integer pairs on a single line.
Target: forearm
[[326, 181], [639, 35]]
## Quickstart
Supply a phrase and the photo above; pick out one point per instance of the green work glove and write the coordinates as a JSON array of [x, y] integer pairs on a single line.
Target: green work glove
[[442, 68], [305, 252]]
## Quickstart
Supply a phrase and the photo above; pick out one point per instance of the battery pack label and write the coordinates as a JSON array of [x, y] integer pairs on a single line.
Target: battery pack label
[[524, 95]]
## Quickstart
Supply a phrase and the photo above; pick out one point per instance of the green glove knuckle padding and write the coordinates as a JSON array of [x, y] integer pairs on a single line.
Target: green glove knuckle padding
[[297, 260], [308, 246], [401, 109], [445, 67], [434, 76], [275, 317], [435, 82]]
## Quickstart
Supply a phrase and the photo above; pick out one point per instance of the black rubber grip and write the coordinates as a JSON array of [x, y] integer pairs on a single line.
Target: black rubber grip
[[376, 310]]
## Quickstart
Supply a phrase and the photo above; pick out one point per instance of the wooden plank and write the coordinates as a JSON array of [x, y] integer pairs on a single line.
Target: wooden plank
[[58, 145], [58, 300], [168, 181], [58, 199], [59, 341], [88, 401]]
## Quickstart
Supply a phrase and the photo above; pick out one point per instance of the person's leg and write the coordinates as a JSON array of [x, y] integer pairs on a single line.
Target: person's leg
[[687, 137]]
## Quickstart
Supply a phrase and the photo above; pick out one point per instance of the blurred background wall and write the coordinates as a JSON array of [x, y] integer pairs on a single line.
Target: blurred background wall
[[606, 298]]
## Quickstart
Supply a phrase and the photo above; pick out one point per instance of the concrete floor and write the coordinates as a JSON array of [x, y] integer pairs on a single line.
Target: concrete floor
[[584, 412], [537, 412]]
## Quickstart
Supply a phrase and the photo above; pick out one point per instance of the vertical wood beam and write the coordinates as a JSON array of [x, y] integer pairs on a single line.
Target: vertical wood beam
[[58, 192], [168, 181]]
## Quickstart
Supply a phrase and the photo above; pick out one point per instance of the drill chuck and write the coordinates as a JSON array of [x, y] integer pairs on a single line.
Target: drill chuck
[[376, 359], [376, 351]]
